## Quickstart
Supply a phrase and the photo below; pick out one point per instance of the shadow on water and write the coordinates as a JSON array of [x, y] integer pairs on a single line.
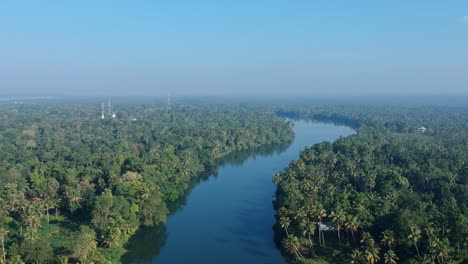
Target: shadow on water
[[145, 245]]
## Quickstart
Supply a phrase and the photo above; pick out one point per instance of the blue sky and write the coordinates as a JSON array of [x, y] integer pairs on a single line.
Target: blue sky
[[300, 47]]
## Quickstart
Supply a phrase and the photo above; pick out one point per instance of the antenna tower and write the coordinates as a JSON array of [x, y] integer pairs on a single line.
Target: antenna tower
[[102, 110], [109, 114]]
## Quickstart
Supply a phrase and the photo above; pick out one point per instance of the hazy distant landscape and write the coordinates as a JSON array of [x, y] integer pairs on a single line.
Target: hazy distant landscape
[[234, 132]]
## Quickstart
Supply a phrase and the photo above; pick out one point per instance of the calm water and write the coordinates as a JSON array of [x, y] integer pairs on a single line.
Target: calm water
[[228, 218]]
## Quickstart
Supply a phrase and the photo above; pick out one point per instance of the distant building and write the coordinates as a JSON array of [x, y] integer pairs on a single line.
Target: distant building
[[422, 129], [325, 226]]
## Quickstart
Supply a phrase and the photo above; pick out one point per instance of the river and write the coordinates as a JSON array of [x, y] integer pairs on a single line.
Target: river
[[229, 217]]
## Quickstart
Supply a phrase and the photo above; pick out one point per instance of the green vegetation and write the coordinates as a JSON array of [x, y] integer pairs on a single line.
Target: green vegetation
[[388, 194], [75, 188]]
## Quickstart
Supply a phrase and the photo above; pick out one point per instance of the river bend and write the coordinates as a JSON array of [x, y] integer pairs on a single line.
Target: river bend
[[228, 217]]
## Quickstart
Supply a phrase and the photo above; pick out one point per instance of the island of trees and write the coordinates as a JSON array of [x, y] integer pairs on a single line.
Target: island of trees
[[74, 188], [395, 192]]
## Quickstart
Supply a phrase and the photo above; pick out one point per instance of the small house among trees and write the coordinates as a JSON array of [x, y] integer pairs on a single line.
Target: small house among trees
[[422, 129], [325, 226]]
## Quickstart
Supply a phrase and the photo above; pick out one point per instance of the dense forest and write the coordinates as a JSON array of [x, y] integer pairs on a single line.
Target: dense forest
[[74, 187], [394, 192]]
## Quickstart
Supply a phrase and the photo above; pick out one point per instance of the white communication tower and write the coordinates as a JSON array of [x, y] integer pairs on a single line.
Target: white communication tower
[[102, 110]]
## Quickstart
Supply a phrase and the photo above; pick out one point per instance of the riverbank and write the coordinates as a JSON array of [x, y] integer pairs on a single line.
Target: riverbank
[[390, 193], [229, 216]]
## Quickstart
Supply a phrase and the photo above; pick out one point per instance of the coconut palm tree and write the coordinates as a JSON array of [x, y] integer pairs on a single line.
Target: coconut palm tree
[[430, 231], [49, 203], [32, 216], [390, 257], [30, 234], [85, 243], [372, 253], [320, 213], [351, 169], [414, 238], [367, 238], [292, 244], [63, 259], [338, 219], [356, 257], [301, 213], [3, 233], [444, 249], [388, 239], [352, 224], [145, 193], [112, 237], [438, 249], [285, 222], [74, 197], [308, 228], [434, 249]]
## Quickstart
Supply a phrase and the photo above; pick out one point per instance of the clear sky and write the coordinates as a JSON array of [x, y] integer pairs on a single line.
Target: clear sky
[[298, 47]]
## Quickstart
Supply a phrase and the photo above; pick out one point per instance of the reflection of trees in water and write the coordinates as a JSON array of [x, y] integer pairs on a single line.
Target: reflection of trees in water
[[146, 244], [237, 159]]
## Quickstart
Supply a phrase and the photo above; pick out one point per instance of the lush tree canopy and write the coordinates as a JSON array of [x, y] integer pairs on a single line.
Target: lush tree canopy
[[388, 194], [75, 187]]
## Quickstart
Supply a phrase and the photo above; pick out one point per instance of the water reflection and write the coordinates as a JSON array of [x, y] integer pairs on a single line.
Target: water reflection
[[146, 244]]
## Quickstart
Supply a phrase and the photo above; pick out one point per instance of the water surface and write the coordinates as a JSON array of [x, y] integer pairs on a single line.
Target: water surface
[[229, 217]]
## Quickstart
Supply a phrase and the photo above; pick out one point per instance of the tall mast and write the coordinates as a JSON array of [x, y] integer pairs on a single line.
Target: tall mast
[[110, 110], [102, 110]]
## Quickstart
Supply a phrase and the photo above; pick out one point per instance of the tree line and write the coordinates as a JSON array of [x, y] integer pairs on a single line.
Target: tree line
[[388, 194], [74, 188]]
